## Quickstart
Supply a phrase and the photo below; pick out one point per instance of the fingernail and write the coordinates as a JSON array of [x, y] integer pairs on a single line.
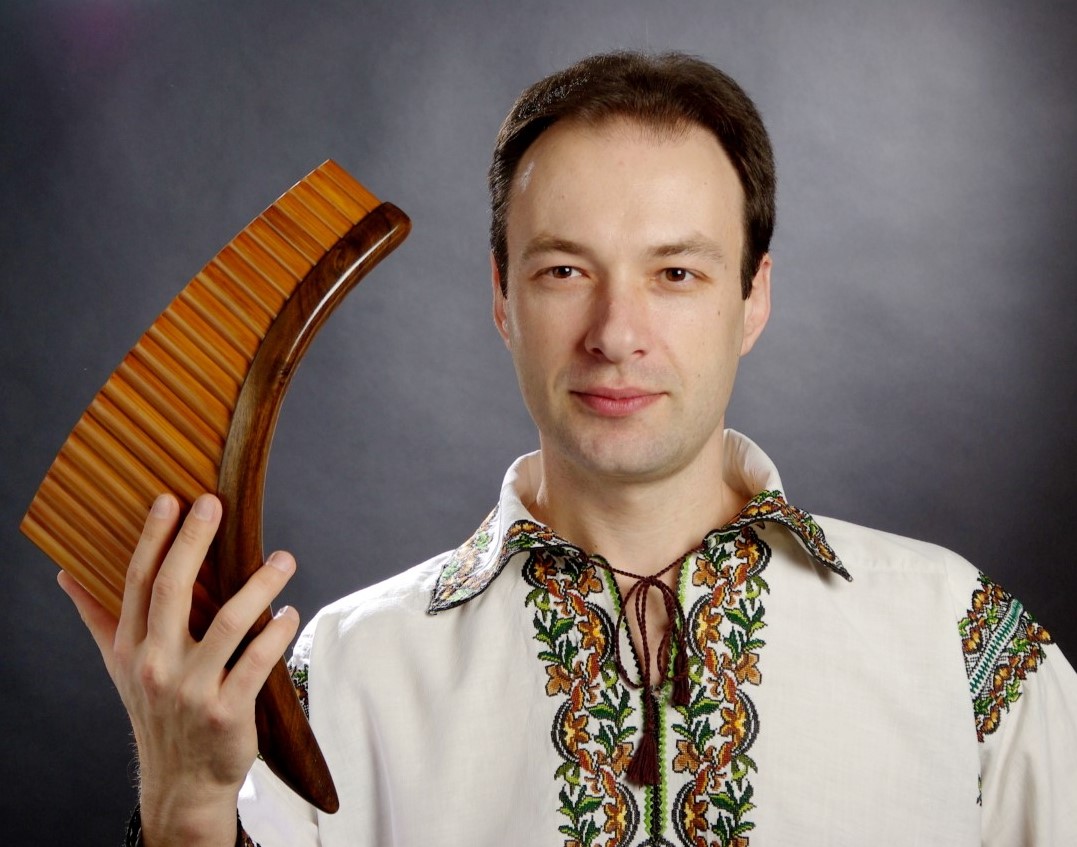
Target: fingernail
[[162, 506], [281, 561], [203, 508], [283, 611]]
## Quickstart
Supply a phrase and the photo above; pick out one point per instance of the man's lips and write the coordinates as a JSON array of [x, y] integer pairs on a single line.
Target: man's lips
[[616, 402]]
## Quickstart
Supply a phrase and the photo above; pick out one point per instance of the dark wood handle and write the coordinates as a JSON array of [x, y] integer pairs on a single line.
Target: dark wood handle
[[285, 739]]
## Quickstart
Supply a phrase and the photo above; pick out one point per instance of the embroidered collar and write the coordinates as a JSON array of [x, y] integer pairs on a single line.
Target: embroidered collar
[[509, 529]]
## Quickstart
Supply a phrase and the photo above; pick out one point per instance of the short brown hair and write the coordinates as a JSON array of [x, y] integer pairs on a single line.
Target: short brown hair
[[669, 90]]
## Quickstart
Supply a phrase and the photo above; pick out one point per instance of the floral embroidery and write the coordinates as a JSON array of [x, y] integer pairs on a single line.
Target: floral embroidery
[[299, 674], [598, 720], [772, 506], [468, 571], [593, 728], [477, 562], [720, 724], [1002, 646], [471, 568]]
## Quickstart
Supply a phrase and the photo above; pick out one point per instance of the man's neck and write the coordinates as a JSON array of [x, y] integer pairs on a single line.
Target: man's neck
[[638, 526]]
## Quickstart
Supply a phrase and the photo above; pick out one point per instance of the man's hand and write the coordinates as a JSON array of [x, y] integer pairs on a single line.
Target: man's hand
[[193, 719]]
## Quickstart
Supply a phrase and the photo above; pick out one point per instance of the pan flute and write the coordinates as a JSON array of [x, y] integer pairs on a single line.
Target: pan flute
[[192, 408]]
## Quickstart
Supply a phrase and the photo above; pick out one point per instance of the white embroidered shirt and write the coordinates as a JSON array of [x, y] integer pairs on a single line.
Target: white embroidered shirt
[[475, 699]]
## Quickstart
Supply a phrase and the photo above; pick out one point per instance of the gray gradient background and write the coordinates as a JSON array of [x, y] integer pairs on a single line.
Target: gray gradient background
[[917, 375]]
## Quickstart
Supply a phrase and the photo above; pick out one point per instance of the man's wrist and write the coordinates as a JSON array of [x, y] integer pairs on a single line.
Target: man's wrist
[[134, 831], [183, 821]]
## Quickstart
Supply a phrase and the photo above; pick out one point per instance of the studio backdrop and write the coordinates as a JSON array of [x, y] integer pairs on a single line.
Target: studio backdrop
[[917, 374]]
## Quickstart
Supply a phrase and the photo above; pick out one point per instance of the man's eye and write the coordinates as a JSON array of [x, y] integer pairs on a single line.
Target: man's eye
[[561, 271], [676, 275]]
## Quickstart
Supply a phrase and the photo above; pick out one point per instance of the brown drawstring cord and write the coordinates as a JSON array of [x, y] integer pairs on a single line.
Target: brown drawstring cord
[[643, 769]]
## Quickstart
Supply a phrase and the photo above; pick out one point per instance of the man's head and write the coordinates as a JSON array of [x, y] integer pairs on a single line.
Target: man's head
[[669, 92], [621, 242]]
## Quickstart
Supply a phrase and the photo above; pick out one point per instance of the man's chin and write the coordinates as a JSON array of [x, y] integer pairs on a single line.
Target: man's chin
[[623, 460]]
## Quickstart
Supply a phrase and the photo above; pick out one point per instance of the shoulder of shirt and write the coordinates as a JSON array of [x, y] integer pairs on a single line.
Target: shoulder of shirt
[[865, 551], [874, 554], [401, 595]]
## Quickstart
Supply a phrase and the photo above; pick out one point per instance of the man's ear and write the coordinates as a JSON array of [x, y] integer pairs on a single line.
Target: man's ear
[[757, 306], [500, 302]]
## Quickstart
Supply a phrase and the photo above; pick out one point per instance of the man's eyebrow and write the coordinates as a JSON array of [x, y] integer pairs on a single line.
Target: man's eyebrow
[[552, 244], [704, 248], [698, 246]]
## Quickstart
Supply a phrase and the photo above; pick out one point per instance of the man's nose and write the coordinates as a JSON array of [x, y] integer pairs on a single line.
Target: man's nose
[[618, 325]]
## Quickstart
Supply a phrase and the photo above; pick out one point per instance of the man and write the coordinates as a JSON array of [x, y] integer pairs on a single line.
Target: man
[[645, 642]]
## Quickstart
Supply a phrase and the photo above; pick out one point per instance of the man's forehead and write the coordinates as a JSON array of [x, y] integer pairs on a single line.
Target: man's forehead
[[558, 146], [592, 168], [610, 128]]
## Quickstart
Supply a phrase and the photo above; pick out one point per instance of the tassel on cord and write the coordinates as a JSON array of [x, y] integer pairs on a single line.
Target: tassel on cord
[[681, 696], [643, 769]]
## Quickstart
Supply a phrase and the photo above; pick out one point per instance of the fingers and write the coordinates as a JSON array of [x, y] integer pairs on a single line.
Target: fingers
[[170, 596], [236, 617], [156, 535], [193, 719], [98, 619], [249, 674], [158, 594]]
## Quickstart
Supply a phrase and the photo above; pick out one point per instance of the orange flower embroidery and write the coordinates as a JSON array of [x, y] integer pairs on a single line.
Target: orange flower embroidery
[[735, 722], [545, 566], [704, 573], [574, 732], [588, 582], [622, 756], [706, 627], [695, 816], [748, 550], [746, 669], [687, 758], [559, 681], [616, 818], [594, 635]]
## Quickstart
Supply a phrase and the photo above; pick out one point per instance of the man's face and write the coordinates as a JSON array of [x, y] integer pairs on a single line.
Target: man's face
[[624, 315]]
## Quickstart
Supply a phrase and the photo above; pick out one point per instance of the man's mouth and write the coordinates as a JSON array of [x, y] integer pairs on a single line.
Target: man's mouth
[[616, 402]]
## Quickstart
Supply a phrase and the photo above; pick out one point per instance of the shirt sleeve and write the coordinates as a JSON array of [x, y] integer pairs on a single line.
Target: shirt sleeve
[[1024, 709], [1029, 762], [272, 814]]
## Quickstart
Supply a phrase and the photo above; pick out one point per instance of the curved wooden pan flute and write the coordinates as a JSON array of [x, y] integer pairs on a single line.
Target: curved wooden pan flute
[[192, 408]]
